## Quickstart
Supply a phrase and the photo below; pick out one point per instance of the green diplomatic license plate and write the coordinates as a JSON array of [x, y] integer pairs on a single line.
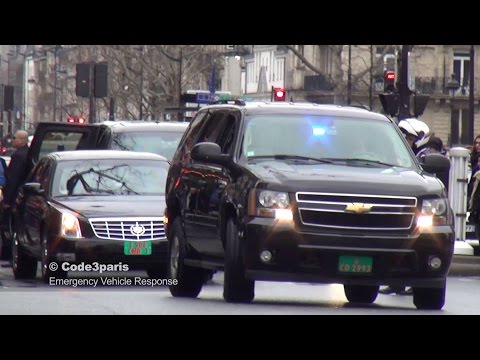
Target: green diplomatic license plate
[[137, 248], [355, 264]]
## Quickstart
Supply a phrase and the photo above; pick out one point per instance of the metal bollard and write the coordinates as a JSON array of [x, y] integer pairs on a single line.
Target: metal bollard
[[457, 195]]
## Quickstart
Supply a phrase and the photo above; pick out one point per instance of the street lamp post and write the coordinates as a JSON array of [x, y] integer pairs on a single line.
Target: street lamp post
[[141, 49], [452, 86]]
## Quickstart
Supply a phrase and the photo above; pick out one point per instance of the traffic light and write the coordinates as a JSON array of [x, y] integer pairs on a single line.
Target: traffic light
[[7, 92], [81, 120], [389, 81], [82, 87], [71, 120], [279, 94], [390, 103], [100, 83]]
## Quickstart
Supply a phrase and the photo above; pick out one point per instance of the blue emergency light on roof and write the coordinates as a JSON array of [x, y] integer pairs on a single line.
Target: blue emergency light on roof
[[318, 131]]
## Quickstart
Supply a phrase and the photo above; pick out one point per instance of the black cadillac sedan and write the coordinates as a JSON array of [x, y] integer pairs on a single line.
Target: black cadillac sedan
[[89, 208]]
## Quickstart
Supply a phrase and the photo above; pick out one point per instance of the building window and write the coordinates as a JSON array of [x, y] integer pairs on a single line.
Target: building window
[[461, 70], [279, 68], [459, 127], [250, 72]]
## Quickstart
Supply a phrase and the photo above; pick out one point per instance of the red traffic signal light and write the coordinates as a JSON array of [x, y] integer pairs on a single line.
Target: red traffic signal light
[[279, 94], [81, 120], [71, 120], [389, 81]]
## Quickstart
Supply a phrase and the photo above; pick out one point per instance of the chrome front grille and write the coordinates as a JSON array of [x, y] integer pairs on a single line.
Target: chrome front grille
[[356, 211], [129, 229]]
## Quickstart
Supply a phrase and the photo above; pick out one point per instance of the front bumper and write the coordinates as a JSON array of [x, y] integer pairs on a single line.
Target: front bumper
[[304, 256], [106, 251]]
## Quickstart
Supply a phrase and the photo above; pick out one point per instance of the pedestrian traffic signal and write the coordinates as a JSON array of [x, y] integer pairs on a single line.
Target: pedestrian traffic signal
[[279, 94], [389, 81]]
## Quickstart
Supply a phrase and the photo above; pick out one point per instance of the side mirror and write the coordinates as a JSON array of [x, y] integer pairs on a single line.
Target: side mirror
[[209, 152], [33, 188], [439, 165]]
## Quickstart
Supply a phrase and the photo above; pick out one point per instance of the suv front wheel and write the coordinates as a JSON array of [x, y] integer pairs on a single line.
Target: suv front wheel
[[236, 288], [189, 280], [429, 299]]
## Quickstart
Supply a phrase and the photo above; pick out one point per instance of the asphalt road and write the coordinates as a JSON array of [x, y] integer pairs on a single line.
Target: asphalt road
[[34, 297]]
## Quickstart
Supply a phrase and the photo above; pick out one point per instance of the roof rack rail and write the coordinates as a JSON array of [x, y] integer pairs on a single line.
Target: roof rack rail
[[230, 102]]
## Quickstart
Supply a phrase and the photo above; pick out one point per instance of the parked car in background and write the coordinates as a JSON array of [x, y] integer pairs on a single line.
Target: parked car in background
[[161, 138], [100, 206]]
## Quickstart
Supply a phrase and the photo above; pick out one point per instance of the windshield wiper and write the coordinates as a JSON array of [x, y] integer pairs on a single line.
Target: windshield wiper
[[287, 157], [366, 161]]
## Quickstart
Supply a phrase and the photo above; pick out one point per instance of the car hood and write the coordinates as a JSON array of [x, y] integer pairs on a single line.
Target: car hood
[[346, 179], [114, 206]]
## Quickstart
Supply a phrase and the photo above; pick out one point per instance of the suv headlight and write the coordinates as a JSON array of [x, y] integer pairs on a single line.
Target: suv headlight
[[433, 212], [272, 204]]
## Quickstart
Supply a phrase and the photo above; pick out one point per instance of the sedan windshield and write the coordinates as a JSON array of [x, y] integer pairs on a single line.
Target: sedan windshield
[[333, 139], [110, 177]]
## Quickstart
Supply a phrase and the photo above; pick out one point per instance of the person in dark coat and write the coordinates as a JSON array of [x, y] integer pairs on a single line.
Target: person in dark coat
[[15, 175]]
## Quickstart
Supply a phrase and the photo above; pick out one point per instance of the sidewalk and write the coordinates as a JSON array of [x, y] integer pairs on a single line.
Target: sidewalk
[[463, 265]]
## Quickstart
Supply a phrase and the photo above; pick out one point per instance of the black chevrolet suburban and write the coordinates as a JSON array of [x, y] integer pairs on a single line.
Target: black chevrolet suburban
[[307, 193]]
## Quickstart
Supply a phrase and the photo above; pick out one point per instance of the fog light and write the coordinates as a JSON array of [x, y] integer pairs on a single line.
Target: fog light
[[434, 262], [266, 256]]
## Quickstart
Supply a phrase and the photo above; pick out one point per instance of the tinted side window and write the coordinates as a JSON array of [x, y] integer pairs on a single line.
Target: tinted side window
[[185, 146], [62, 141], [213, 128], [226, 139], [38, 171]]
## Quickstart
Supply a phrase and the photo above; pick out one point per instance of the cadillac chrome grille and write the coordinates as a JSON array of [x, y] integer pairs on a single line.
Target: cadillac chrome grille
[[356, 211], [129, 229]]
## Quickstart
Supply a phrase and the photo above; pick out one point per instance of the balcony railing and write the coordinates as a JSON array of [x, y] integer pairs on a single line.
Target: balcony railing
[[438, 86]]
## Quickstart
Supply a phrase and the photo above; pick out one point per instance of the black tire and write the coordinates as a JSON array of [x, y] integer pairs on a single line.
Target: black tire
[[429, 298], [5, 246], [24, 266], [46, 260], [189, 280], [5, 236], [361, 294], [236, 288]]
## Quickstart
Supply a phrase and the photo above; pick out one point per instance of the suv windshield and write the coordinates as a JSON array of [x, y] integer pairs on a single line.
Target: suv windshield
[[162, 143], [334, 138]]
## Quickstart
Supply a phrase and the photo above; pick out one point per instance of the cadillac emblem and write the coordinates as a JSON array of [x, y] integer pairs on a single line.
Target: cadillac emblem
[[137, 230]]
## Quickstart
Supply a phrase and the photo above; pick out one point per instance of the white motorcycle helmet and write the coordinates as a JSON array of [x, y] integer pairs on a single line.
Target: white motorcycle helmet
[[416, 128]]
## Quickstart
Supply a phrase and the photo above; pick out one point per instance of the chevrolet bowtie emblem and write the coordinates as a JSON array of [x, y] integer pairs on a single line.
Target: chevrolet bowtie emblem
[[358, 208]]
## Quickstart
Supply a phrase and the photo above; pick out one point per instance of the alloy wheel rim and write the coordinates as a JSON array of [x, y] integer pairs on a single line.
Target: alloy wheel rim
[[44, 257], [174, 257], [15, 252]]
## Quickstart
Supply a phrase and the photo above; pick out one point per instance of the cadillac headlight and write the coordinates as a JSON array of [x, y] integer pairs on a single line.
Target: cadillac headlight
[[70, 226]]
